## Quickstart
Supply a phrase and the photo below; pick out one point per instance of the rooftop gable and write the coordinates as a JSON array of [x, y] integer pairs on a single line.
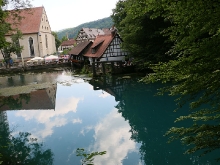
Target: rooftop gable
[[30, 22], [92, 32], [102, 40], [68, 42], [80, 47]]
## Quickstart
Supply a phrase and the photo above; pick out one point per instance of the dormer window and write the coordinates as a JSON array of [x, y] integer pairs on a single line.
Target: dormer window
[[93, 50]]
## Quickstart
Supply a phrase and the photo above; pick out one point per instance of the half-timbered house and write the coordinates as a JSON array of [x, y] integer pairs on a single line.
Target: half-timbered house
[[106, 48], [90, 34], [76, 54]]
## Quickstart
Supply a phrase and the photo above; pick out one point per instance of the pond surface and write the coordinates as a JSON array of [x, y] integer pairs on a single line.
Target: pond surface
[[59, 112]]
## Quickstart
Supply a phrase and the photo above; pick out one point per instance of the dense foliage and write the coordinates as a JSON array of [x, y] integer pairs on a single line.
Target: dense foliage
[[193, 69], [8, 47], [72, 32], [21, 148], [12, 47], [57, 41], [141, 35]]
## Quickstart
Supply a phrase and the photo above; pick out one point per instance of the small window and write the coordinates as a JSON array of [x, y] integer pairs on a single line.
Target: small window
[[93, 50], [46, 41]]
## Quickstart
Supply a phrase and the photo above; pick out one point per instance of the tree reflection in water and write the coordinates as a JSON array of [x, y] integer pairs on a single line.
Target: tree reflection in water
[[88, 158], [13, 102], [149, 117], [21, 149]]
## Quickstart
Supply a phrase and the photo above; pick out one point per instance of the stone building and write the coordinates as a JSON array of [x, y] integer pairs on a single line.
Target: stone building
[[37, 39]]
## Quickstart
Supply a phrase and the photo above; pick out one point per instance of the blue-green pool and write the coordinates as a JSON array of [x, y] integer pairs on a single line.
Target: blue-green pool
[[62, 111]]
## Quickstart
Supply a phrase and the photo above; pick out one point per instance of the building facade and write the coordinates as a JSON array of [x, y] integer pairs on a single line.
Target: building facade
[[106, 48], [37, 39]]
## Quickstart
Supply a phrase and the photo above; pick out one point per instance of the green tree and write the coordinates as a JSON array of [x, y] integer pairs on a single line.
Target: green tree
[[87, 158], [66, 51], [64, 38], [21, 148], [14, 102], [195, 73], [12, 47], [57, 41], [142, 36], [5, 27]]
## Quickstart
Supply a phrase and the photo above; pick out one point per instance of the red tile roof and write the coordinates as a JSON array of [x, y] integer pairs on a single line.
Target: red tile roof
[[30, 22], [103, 45], [97, 43], [39, 99], [80, 47], [68, 42]]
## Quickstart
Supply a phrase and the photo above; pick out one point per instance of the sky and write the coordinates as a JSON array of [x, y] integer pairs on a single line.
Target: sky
[[65, 14]]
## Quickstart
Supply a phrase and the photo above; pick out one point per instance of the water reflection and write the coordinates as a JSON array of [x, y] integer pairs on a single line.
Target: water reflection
[[21, 149], [113, 114], [37, 98], [112, 85], [149, 117]]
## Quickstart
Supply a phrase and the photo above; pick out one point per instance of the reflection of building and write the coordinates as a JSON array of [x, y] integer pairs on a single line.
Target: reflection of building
[[113, 86], [51, 92], [41, 98]]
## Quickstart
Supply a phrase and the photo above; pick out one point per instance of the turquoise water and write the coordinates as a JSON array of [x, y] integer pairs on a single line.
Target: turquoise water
[[66, 111]]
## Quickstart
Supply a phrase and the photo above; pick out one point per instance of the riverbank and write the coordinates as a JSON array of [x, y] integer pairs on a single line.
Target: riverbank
[[19, 69]]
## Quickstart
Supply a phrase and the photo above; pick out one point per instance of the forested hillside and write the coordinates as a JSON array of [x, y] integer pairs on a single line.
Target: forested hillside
[[72, 32]]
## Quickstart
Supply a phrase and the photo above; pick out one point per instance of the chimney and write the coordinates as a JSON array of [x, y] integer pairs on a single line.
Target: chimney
[[113, 32]]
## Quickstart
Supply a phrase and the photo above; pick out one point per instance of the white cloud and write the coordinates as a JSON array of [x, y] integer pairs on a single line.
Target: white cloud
[[48, 130], [112, 135], [50, 118], [86, 130], [77, 121]]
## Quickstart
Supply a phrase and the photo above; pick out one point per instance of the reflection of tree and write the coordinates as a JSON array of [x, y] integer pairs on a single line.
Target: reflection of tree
[[150, 117], [21, 149], [14, 102], [87, 158]]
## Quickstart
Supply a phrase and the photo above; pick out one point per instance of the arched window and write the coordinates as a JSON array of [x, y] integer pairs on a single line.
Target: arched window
[[31, 46], [18, 45], [46, 41]]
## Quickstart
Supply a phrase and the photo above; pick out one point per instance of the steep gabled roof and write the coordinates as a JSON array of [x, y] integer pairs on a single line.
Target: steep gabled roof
[[92, 32], [107, 30], [80, 47], [97, 43], [68, 42], [30, 22], [104, 41]]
